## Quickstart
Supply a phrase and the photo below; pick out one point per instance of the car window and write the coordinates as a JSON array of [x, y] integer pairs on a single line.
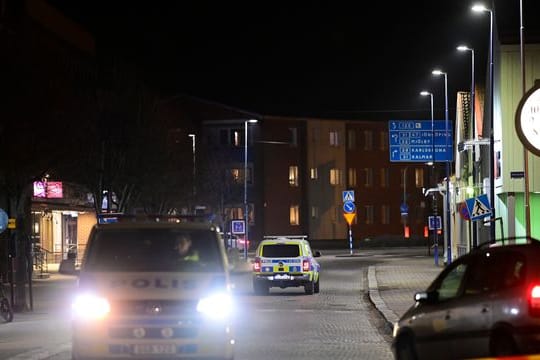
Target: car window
[[152, 250], [492, 271], [280, 250], [450, 283]]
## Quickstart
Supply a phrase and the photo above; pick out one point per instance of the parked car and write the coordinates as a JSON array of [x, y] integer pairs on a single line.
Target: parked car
[[486, 303]]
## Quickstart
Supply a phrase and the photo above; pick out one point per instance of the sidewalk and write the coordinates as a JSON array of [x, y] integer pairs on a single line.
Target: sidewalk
[[392, 285]]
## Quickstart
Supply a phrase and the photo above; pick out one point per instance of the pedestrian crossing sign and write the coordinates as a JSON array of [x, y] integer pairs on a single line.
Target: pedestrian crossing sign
[[478, 207]]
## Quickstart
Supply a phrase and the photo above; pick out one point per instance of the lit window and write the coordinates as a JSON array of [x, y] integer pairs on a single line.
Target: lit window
[[293, 175], [369, 214], [383, 140], [237, 176], [385, 214], [334, 139], [352, 177], [385, 179], [313, 173], [237, 138], [368, 180], [419, 177], [351, 139], [294, 215], [368, 140], [335, 177]]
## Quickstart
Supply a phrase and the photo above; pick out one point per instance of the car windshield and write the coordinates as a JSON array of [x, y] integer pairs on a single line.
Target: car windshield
[[281, 250], [152, 250]]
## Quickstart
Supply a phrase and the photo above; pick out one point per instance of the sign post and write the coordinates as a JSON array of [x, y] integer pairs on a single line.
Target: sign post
[[349, 212]]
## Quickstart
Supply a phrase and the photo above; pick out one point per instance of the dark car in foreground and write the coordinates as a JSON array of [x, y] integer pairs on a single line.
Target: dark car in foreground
[[485, 303]]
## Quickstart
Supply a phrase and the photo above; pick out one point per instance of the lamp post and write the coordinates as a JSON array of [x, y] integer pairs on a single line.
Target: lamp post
[[438, 72], [435, 235], [192, 136], [482, 8], [473, 128], [246, 207], [526, 198]]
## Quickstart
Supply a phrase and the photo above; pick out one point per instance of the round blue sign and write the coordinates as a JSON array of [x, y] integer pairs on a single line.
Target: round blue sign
[[3, 220], [349, 207], [404, 208]]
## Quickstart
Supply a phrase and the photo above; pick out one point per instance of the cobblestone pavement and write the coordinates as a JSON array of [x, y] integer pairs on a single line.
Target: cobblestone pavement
[[392, 284]]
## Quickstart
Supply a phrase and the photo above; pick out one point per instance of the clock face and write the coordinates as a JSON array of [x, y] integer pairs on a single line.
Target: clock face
[[528, 121]]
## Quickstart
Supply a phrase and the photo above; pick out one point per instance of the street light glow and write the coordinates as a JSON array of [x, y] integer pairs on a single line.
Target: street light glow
[[463, 48], [425, 93], [479, 8], [438, 72], [253, 121]]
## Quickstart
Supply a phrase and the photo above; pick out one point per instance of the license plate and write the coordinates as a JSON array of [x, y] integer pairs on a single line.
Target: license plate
[[281, 277], [154, 349]]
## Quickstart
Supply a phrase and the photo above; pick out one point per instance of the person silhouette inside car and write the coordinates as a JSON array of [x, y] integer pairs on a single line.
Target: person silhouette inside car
[[184, 248]]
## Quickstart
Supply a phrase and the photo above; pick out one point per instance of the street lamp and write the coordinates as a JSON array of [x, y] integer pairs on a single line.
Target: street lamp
[[435, 236], [427, 93], [438, 72], [246, 208], [463, 48], [192, 136], [482, 8]]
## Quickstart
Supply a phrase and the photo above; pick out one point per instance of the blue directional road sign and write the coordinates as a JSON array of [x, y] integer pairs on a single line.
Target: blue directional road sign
[[414, 141], [349, 207], [434, 222]]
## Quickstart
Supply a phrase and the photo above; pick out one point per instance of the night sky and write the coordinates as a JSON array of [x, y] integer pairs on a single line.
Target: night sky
[[356, 60]]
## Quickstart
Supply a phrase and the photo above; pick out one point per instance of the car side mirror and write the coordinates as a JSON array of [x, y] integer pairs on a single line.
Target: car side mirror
[[317, 253], [426, 296]]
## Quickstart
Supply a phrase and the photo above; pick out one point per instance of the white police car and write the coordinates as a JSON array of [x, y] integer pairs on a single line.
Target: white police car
[[285, 261]]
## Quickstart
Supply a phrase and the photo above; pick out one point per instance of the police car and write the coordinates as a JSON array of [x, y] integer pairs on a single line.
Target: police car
[[138, 299], [285, 261]]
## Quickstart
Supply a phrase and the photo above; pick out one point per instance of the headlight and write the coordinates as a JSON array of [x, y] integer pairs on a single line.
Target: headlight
[[216, 306], [90, 307]]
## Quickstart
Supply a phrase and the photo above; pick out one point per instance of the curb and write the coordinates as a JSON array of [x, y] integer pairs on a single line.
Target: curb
[[375, 298]]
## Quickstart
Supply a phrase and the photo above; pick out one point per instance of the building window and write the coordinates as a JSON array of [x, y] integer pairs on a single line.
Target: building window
[[314, 212], [384, 140], [352, 177], [293, 175], [294, 137], [313, 174], [315, 135], [385, 178], [368, 140], [419, 177], [368, 180], [334, 138], [237, 138], [237, 176], [234, 213], [294, 215], [351, 139], [385, 214], [335, 177], [369, 214], [224, 137]]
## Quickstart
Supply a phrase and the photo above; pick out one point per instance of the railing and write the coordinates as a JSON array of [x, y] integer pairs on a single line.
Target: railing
[[40, 260]]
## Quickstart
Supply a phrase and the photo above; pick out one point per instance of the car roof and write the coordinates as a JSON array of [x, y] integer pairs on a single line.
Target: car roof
[[282, 241], [156, 225]]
